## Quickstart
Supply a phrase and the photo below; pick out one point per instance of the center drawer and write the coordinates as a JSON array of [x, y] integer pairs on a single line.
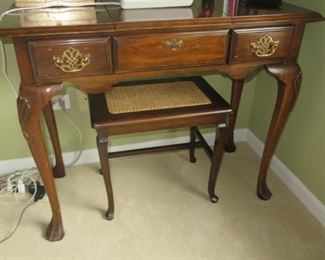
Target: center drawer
[[172, 50]]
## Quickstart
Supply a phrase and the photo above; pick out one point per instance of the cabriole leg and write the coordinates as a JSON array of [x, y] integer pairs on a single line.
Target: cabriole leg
[[30, 104], [102, 144], [237, 88], [289, 80], [58, 169], [216, 161]]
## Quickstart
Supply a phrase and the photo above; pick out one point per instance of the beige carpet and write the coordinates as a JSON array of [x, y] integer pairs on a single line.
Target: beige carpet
[[163, 212]]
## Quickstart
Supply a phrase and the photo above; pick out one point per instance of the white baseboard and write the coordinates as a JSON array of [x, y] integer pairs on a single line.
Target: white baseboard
[[313, 204], [310, 201], [91, 155]]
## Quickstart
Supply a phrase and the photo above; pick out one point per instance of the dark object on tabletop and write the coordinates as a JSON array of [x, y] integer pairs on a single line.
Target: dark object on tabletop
[[264, 3], [207, 8]]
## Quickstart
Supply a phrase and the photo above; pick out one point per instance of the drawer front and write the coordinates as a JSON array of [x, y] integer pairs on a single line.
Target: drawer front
[[261, 44], [158, 51], [70, 58]]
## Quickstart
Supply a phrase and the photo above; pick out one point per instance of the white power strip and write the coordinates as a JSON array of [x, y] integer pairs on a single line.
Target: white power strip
[[21, 186], [135, 4]]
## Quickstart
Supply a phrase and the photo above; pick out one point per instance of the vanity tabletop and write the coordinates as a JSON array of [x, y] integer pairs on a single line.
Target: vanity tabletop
[[106, 18]]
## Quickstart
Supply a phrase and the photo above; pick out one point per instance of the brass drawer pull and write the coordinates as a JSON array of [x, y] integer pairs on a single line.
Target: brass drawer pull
[[264, 47], [72, 60], [174, 44]]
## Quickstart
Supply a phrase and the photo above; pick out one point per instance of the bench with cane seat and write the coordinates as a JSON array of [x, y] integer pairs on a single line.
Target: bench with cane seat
[[155, 105]]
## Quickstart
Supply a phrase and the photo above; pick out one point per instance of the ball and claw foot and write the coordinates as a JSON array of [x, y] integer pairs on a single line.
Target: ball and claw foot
[[100, 171], [230, 147], [109, 215], [264, 193], [54, 232], [214, 198], [193, 159]]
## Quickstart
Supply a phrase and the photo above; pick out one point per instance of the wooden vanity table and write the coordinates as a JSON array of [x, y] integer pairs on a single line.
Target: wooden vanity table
[[99, 47]]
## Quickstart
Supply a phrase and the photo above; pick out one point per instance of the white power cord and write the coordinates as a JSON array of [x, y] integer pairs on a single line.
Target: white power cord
[[64, 109], [15, 181], [10, 184], [4, 69], [32, 198], [56, 4], [17, 225]]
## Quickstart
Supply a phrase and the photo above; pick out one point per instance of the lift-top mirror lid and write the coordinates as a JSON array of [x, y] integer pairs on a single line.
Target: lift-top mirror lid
[[135, 4], [44, 3]]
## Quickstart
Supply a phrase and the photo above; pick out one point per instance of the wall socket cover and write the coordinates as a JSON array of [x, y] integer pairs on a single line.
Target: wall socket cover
[[59, 99]]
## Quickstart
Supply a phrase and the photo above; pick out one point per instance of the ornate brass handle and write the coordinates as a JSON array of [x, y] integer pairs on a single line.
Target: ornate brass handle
[[264, 47], [72, 60], [173, 44]]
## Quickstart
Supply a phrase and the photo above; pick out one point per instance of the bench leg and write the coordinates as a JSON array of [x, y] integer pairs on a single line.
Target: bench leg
[[102, 144], [216, 162], [236, 92], [192, 145]]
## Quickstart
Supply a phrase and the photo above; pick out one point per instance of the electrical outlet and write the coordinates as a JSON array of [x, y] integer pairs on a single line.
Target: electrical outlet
[[61, 101]]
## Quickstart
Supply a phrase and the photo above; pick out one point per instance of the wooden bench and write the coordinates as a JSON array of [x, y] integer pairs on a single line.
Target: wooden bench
[[155, 105]]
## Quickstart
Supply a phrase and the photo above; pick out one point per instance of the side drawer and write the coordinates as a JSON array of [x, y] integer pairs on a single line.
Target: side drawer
[[261, 44], [158, 51], [70, 58]]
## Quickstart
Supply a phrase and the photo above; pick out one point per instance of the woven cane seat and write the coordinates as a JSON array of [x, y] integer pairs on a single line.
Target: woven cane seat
[[155, 97]]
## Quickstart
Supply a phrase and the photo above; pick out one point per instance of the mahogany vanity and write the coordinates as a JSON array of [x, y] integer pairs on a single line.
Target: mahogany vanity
[[108, 46]]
